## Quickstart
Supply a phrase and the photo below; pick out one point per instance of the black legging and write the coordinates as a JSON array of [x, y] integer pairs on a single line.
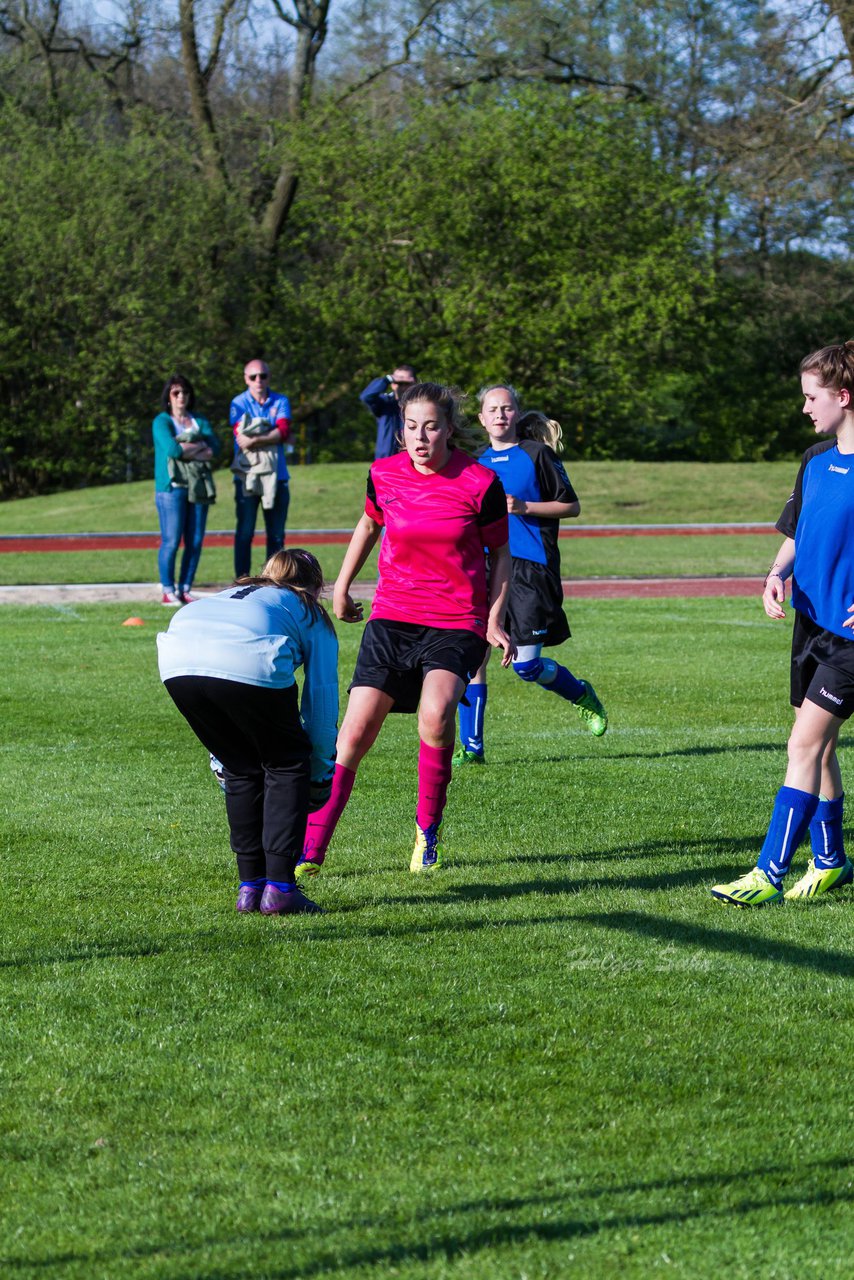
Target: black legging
[[257, 735]]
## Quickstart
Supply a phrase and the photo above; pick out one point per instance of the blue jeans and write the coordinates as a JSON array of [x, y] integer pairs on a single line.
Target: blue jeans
[[246, 511], [179, 520]]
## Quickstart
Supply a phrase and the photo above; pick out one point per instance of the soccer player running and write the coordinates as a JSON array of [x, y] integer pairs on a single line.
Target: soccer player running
[[433, 613], [522, 453], [818, 553]]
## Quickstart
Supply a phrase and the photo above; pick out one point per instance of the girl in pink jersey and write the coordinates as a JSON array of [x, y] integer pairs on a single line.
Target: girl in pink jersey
[[434, 614]]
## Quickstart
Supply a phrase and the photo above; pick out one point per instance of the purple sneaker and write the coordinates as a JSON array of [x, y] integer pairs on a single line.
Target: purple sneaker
[[278, 902], [249, 898]]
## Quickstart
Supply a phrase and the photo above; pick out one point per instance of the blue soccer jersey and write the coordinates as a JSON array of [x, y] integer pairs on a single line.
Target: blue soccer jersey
[[533, 472], [820, 517]]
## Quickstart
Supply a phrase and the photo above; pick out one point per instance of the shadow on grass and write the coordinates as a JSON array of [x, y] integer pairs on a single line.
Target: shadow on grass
[[85, 952], [708, 849], [603, 754], [657, 928], [450, 1242]]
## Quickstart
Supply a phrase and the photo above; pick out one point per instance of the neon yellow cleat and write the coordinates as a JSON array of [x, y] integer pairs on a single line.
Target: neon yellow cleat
[[591, 710], [752, 890], [427, 854], [816, 882], [465, 757]]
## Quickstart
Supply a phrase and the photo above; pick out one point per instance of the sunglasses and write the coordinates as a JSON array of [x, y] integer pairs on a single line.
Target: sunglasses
[[253, 376]]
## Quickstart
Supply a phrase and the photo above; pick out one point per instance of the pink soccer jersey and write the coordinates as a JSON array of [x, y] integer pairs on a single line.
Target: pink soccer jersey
[[432, 564]]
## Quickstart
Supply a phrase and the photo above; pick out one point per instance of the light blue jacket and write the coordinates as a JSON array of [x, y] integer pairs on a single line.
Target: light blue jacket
[[260, 636]]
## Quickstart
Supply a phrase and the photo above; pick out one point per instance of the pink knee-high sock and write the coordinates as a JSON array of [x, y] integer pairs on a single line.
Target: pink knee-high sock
[[434, 774], [321, 824]]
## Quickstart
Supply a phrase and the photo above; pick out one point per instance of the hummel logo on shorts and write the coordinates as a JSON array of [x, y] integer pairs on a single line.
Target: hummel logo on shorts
[[831, 696]]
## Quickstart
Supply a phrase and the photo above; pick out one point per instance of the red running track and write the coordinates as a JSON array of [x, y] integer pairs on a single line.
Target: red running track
[[53, 542]]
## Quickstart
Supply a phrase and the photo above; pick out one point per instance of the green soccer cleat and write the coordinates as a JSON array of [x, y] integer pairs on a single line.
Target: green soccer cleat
[[464, 757], [816, 882], [591, 710], [427, 854], [752, 890]]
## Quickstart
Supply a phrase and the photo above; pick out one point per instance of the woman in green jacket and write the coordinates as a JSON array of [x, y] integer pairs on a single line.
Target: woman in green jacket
[[179, 435]]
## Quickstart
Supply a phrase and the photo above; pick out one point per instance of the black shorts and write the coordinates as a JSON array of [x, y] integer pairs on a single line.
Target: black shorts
[[535, 605], [395, 656], [822, 668]]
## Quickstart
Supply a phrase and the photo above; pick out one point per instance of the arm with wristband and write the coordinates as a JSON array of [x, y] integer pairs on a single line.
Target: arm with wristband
[[774, 586]]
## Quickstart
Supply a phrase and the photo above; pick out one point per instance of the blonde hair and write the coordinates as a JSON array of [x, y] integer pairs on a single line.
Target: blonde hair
[[298, 571], [534, 425], [833, 366], [499, 386]]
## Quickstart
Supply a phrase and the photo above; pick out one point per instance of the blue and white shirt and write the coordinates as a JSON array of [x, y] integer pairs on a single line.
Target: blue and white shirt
[[531, 471], [260, 636], [276, 408], [820, 517]]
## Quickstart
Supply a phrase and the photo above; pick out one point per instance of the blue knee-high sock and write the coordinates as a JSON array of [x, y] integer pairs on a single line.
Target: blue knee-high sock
[[560, 680], [828, 849], [471, 718], [790, 820]]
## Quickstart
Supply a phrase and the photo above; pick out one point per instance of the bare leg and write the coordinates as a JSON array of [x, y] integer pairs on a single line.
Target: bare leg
[[813, 765]]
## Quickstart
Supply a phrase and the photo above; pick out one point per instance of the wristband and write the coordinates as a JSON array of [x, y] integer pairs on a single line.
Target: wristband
[[772, 573]]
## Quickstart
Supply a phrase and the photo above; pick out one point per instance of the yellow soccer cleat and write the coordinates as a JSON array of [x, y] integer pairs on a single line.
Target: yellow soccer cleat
[[817, 882], [427, 854], [751, 890]]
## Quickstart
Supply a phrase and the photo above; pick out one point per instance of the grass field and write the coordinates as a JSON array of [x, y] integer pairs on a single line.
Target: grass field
[[560, 1057], [331, 497]]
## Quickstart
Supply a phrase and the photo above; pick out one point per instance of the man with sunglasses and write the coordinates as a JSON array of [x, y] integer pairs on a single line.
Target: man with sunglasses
[[259, 401], [381, 397]]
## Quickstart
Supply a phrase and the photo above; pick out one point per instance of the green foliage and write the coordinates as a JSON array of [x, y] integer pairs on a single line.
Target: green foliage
[[550, 238], [116, 268], [523, 237]]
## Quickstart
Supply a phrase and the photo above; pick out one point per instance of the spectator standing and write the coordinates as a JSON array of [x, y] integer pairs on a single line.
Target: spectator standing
[[382, 396], [260, 401], [179, 436]]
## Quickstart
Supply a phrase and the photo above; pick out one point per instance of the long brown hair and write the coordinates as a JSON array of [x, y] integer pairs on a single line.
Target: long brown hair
[[449, 401], [298, 571], [833, 366]]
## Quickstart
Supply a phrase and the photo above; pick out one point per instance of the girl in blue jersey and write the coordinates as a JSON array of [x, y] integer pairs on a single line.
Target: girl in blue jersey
[[818, 553], [522, 453], [228, 662]]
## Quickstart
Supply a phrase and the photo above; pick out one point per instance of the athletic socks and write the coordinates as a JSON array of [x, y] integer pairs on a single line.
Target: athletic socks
[[322, 823], [434, 774], [828, 849], [793, 812], [471, 718], [285, 886], [560, 680]]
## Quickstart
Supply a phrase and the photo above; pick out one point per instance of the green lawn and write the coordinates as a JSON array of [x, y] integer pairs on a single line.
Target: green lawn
[[331, 496], [559, 1057]]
